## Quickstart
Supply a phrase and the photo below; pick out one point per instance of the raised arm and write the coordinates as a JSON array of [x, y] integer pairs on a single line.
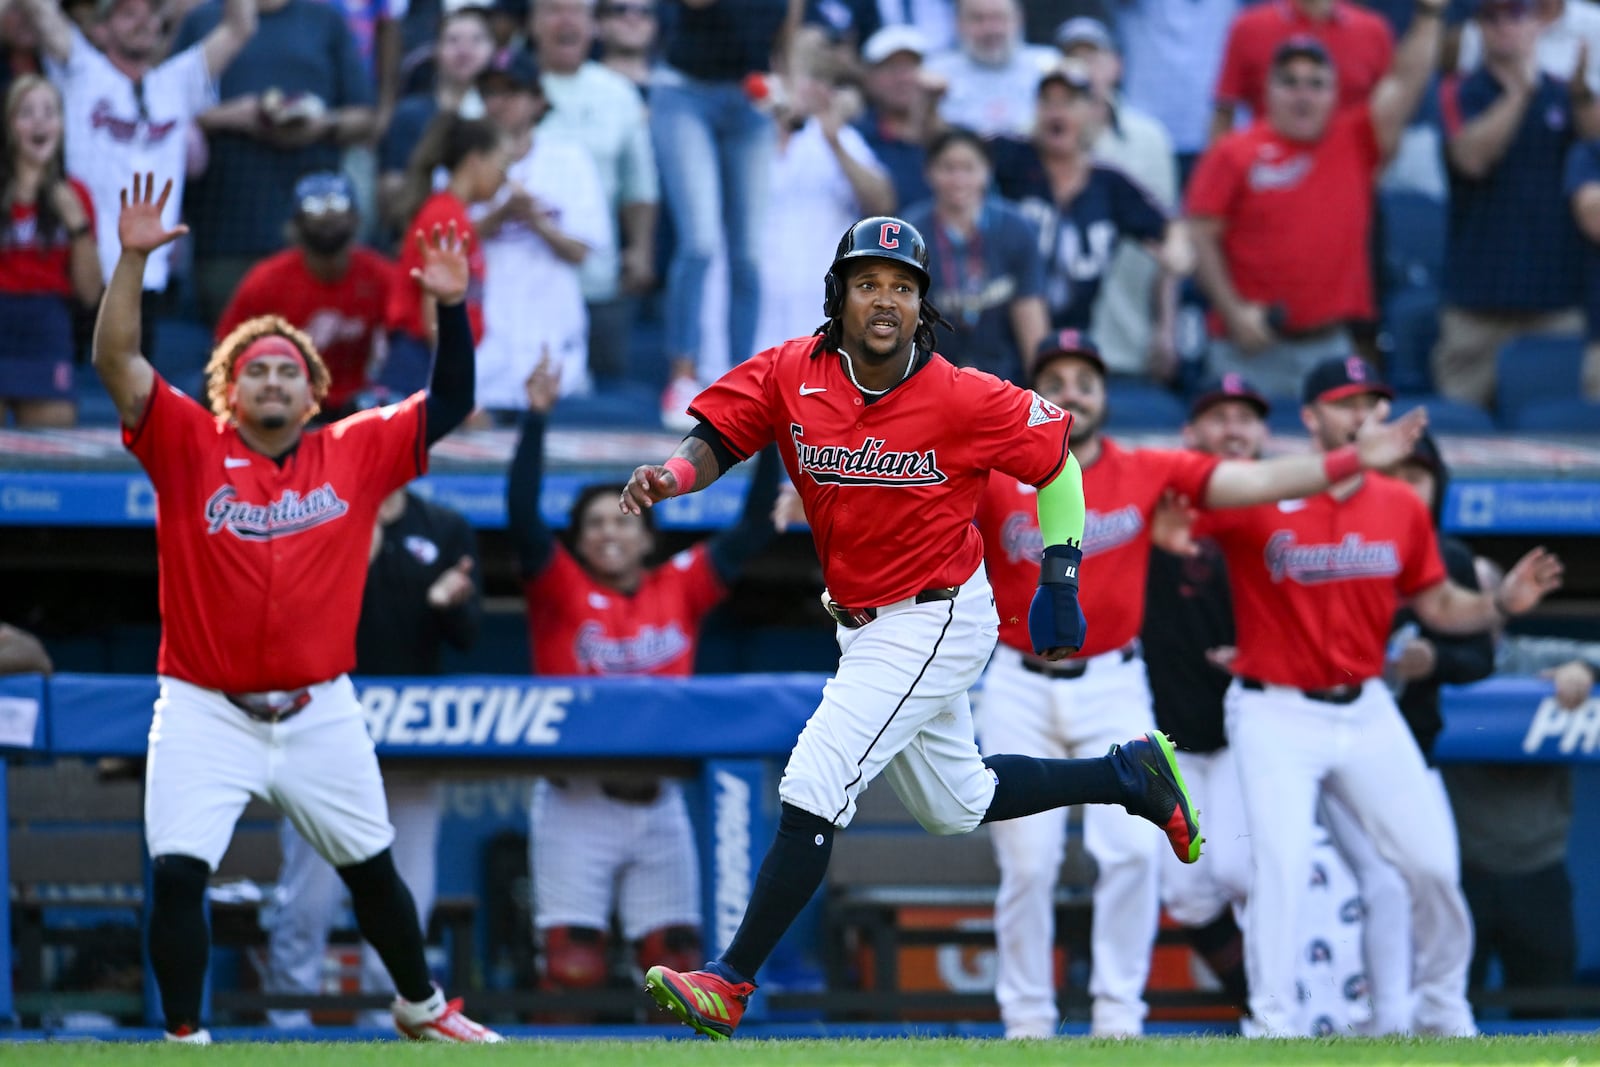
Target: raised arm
[[443, 276], [533, 538], [228, 39], [124, 371], [1379, 446], [1448, 608], [1395, 98], [53, 27], [735, 546]]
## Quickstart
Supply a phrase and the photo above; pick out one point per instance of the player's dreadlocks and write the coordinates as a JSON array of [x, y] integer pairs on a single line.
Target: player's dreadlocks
[[219, 370]]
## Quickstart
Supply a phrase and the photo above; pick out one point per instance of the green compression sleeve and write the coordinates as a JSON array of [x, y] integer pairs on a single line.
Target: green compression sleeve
[[1061, 506]]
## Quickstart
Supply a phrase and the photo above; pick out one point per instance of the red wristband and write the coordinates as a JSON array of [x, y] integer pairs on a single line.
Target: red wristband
[[682, 472], [1341, 463]]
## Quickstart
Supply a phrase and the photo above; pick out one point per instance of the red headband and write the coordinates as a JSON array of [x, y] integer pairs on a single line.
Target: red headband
[[271, 345]]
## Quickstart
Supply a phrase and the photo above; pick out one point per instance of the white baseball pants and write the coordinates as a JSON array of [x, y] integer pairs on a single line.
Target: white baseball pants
[[1195, 894], [1071, 718]]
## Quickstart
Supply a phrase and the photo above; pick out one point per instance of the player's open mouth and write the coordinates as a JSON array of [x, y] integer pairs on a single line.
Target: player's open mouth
[[883, 326]]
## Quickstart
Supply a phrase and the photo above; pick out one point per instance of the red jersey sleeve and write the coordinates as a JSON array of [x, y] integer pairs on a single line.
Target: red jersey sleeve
[[1015, 431], [702, 588], [1188, 473], [1231, 77], [1215, 183], [1363, 134], [387, 444], [560, 574], [1423, 567], [81, 191], [171, 420], [738, 405]]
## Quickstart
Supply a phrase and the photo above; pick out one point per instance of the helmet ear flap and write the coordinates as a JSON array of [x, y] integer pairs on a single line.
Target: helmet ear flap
[[832, 295]]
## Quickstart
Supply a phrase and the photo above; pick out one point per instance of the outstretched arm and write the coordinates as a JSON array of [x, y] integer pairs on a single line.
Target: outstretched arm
[[1379, 446], [697, 463], [53, 27], [533, 538], [124, 371], [1449, 609], [230, 36], [734, 547]]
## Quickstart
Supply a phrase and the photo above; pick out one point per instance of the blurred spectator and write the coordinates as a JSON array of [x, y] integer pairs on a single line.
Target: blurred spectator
[[935, 19], [628, 30], [1173, 51], [48, 259], [846, 23], [1134, 317], [1514, 860], [620, 841], [422, 593], [295, 96], [902, 109], [326, 285], [1583, 193], [992, 76], [1358, 44], [508, 21], [714, 148], [826, 178], [1281, 212], [462, 52], [19, 44], [1567, 28], [474, 155], [125, 112], [597, 108], [983, 257], [1083, 209], [22, 653], [548, 219], [1508, 127]]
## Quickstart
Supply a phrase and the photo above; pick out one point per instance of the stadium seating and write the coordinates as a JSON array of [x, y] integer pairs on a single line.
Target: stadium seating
[[1137, 405], [1533, 369], [1413, 240], [1569, 414], [1446, 416], [1411, 325], [625, 405]]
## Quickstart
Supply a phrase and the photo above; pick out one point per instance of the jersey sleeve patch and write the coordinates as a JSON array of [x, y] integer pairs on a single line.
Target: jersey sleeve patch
[[1041, 411]]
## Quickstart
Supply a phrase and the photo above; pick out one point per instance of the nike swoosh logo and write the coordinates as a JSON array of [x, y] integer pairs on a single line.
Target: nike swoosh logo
[[807, 392], [230, 462]]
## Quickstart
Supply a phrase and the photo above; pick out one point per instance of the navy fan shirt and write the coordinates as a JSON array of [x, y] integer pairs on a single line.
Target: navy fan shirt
[[1076, 239]]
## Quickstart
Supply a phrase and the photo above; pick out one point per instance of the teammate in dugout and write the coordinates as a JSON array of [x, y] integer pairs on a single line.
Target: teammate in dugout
[[263, 532], [1086, 703], [1315, 585], [595, 609], [890, 447]]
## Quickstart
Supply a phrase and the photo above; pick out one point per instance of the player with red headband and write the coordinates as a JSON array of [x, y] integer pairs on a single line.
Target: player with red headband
[[261, 527]]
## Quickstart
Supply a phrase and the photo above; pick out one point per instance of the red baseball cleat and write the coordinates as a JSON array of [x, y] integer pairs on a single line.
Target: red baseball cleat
[[1164, 799], [436, 1019], [709, 1004]]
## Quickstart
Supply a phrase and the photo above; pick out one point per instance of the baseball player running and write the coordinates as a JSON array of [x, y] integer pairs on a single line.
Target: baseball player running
[[262, 528], [596, 609], [1085, 703], [1315, 584], [890, 447]]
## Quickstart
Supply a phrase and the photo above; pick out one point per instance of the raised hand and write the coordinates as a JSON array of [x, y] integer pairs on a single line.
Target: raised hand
[[1381, 444], [1172, 523], [544, 384], [1535, 575], [444, 273], [139, 226], [453, 587]]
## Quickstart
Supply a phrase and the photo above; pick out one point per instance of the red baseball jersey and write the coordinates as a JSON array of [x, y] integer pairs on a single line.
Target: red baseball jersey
[[889, 487], [1316, 581], [31, 262], [578, 626], [1121, 490], [1295, 217], [405, 298], [262, 565], [342, 317], [1358, 40]]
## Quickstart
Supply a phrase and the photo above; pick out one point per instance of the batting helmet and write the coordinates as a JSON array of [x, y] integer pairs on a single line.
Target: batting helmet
[[880, 237]]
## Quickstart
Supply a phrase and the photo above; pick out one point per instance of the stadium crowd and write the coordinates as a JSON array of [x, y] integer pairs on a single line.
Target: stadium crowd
[[1222, 195]]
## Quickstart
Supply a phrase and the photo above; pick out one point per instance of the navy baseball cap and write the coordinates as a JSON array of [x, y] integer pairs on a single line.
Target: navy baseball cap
[[1302, 46], [1342, 376], [1074, 343], [1228, 387], [325, 192], [1084, 29], [517, 68]]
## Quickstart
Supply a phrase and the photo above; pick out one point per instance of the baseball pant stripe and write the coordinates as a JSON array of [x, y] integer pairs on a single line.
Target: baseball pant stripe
[[898, 705]]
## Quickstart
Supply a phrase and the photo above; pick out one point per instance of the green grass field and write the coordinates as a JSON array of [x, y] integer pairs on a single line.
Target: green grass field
[[1559, 1050]]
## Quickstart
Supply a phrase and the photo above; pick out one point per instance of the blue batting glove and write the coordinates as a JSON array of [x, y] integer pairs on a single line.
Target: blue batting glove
[[1055, 620]]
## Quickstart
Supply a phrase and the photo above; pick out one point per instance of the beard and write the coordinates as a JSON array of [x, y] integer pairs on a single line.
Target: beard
[[326, 242], [273, 422]]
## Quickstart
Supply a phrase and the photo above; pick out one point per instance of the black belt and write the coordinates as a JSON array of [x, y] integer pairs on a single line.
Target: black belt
[[855, 618], [624, 792], [1071, 668], [271, 707], [1339, 694]]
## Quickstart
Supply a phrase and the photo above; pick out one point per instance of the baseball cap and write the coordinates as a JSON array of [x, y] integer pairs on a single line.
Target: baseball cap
[[891, 39], [1228, 387], [517, 67], [1084, 30], [1301, 46], [1342, 376], [1067, 73], [324, 192], [1074, 343]]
